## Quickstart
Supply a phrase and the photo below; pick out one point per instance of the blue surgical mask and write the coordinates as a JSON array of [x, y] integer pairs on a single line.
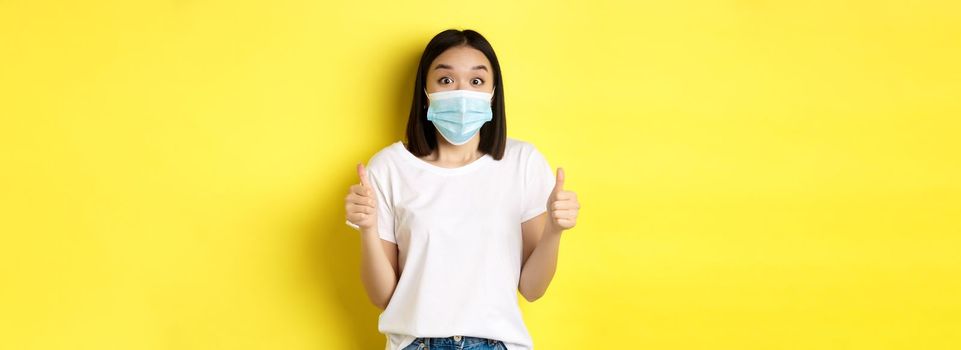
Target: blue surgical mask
[[459, 114]]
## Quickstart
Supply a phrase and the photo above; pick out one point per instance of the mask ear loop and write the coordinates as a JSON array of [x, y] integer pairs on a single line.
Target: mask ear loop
[[426, 95]]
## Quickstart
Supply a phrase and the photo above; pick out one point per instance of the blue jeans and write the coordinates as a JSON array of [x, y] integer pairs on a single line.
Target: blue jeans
[[456, 343]]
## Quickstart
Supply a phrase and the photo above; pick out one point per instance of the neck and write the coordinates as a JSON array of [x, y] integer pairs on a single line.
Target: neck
[[450, 155]]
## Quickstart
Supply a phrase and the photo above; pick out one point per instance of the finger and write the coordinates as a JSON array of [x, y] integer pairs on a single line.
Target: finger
[[566, 196], [565, 204], [360, 200], [567, 223], [559, 181], [356, 217], [360, 190], [362, 173], [354, 208], [564, 214]]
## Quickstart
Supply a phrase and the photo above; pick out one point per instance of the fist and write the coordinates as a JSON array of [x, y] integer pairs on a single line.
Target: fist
[[360, 203], [562, 206]]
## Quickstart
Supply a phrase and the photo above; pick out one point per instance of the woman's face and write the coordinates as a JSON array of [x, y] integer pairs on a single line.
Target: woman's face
[[460, 68]]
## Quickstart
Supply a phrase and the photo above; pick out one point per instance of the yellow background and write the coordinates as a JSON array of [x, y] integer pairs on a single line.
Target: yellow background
[[753, 174]]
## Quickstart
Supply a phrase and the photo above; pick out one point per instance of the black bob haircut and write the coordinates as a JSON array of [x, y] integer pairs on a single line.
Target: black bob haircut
[[421, 136]]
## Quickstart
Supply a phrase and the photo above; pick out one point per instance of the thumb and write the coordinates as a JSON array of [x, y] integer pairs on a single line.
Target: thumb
[[559, 182], [362, 173]]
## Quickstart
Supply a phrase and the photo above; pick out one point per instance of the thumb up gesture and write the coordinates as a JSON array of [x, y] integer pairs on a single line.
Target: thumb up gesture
[[361, 204], [562, 206]]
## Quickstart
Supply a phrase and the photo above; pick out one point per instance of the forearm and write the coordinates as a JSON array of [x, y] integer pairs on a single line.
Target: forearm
[[376, 271], [538, 270]]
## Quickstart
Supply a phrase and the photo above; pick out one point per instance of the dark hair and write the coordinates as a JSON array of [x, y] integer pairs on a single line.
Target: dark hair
[[421, 139]]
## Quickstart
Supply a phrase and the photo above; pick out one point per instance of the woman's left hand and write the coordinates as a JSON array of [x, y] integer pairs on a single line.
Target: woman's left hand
[[562, 206]]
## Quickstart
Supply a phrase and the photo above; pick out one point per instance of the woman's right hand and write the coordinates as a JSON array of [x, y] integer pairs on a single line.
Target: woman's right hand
[[361, 204]]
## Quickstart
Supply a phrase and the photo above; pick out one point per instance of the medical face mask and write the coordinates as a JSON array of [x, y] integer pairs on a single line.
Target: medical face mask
[[459, 114]]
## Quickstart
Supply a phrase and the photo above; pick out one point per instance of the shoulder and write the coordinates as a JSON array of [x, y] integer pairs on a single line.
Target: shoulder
[[382, 159], [521, 150]]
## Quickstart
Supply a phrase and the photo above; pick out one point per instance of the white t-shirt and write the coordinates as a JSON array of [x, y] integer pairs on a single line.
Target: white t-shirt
[[458, 233]]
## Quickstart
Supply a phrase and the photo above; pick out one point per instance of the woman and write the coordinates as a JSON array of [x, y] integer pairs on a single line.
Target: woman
[[461, 217]]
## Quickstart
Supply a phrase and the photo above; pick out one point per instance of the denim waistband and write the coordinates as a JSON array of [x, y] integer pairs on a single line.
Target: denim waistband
[[455, 340]]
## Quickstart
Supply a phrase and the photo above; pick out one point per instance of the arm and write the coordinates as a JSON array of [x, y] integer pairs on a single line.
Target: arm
[[378, 267], [378, 264], [542, 240], [541, 246]]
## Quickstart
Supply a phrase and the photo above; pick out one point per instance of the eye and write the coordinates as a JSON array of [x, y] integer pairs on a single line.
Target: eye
[[445, 80], [477, 81]]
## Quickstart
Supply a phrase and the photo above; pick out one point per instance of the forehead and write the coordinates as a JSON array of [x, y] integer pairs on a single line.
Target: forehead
[[461, 58]]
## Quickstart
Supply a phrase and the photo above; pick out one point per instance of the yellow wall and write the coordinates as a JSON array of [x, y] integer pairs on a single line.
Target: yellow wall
[[753, 174]]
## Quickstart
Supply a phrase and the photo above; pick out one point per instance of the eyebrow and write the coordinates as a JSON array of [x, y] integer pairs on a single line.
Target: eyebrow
[[444, 66]]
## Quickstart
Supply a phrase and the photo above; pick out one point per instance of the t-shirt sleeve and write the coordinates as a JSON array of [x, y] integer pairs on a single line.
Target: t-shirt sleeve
[[538, 184], [377, 176]]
